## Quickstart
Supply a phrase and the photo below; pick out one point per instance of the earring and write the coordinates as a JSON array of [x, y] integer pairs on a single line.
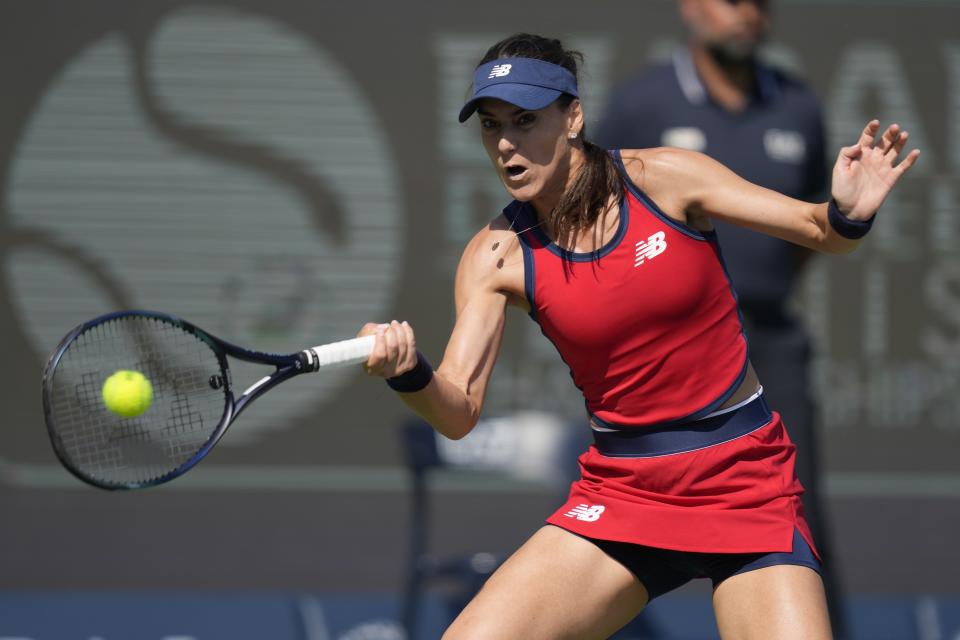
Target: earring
[[572, 135]]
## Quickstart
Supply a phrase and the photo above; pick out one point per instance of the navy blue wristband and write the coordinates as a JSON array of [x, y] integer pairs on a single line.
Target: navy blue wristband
[[852, 229], [413, 380]]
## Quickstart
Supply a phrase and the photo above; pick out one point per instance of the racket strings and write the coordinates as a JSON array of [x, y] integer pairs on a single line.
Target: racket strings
[[184, 415]]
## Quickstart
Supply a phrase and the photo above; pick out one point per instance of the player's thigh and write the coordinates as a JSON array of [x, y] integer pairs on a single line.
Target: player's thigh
[[557, 585], [783, 601]]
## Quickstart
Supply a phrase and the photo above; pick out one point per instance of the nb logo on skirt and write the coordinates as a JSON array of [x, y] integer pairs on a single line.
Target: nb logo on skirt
[[586, 512]]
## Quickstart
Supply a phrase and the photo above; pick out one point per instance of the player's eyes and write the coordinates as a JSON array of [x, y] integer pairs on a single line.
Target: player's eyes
[[526, 119], [487, 123]]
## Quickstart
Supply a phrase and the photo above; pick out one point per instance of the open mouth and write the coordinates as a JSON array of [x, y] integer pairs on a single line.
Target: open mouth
[[515, 170]]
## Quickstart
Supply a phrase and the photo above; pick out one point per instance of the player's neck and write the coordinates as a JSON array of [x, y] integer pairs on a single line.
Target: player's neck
[[563, 180], [729, 84]]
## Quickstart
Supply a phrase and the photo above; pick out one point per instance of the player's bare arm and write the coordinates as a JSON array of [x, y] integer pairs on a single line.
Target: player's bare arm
[[489, 277], [693, 187]]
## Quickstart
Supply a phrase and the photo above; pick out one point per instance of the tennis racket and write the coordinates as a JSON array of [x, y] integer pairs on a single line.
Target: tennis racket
[[193, 399]]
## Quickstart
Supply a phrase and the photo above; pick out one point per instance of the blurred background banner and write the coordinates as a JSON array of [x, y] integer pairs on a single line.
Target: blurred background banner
[[280, 173]]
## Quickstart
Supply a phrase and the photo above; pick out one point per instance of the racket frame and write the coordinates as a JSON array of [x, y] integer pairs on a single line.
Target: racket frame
[[287, 366]]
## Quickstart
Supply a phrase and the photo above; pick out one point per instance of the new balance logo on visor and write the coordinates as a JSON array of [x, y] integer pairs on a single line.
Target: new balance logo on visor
[[651, 248], [586, 512], [500, 70]]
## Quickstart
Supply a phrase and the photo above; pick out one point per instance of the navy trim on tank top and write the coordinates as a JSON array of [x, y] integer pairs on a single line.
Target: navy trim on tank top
[[529, 278], [512, 214], [581, 256], [715, 241], [638, 193]]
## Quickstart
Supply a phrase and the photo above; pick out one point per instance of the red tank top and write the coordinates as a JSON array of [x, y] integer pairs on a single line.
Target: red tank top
[[648, 324]]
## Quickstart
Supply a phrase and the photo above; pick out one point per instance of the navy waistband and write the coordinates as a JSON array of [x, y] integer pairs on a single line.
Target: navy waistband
[[644, 442]]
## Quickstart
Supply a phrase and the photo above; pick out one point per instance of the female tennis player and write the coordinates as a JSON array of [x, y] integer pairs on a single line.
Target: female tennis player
[[690, 474]]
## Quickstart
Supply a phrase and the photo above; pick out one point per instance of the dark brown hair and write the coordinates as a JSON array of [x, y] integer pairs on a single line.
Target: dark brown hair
[[587, 197]]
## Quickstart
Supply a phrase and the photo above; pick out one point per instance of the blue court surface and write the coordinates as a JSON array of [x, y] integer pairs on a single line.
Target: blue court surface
[[295, 616]]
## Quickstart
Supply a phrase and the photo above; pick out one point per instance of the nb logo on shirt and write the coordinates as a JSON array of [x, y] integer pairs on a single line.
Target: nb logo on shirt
[[651, 247], [585, 512], [500, 70]]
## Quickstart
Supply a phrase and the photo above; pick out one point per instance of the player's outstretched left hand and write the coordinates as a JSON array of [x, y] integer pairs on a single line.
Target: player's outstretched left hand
[[865, 172]]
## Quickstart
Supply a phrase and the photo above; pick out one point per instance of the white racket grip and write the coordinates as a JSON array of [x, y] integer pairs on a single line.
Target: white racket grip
[[345, 352]]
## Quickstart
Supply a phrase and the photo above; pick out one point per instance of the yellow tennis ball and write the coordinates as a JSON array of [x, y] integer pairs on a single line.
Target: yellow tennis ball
[[127, 393]]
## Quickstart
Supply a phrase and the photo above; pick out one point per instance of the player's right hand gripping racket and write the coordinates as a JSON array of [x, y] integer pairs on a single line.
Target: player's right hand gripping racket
[[192, 404]]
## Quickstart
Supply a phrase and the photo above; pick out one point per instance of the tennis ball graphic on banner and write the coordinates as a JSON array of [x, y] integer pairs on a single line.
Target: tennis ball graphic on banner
[[127, 393]]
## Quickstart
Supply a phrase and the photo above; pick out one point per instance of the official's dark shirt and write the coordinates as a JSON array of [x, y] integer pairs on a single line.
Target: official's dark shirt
[[776, 142]]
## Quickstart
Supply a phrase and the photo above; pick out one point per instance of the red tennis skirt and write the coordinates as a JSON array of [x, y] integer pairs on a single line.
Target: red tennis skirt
[[741, 496]]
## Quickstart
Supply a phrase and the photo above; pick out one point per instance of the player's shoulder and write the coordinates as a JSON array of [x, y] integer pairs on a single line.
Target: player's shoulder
[[498, 227], [667, 176], [659, 163], [489, 248]]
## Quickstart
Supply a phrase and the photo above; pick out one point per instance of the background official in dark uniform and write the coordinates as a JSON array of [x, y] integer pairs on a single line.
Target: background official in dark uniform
[[715, 97]]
